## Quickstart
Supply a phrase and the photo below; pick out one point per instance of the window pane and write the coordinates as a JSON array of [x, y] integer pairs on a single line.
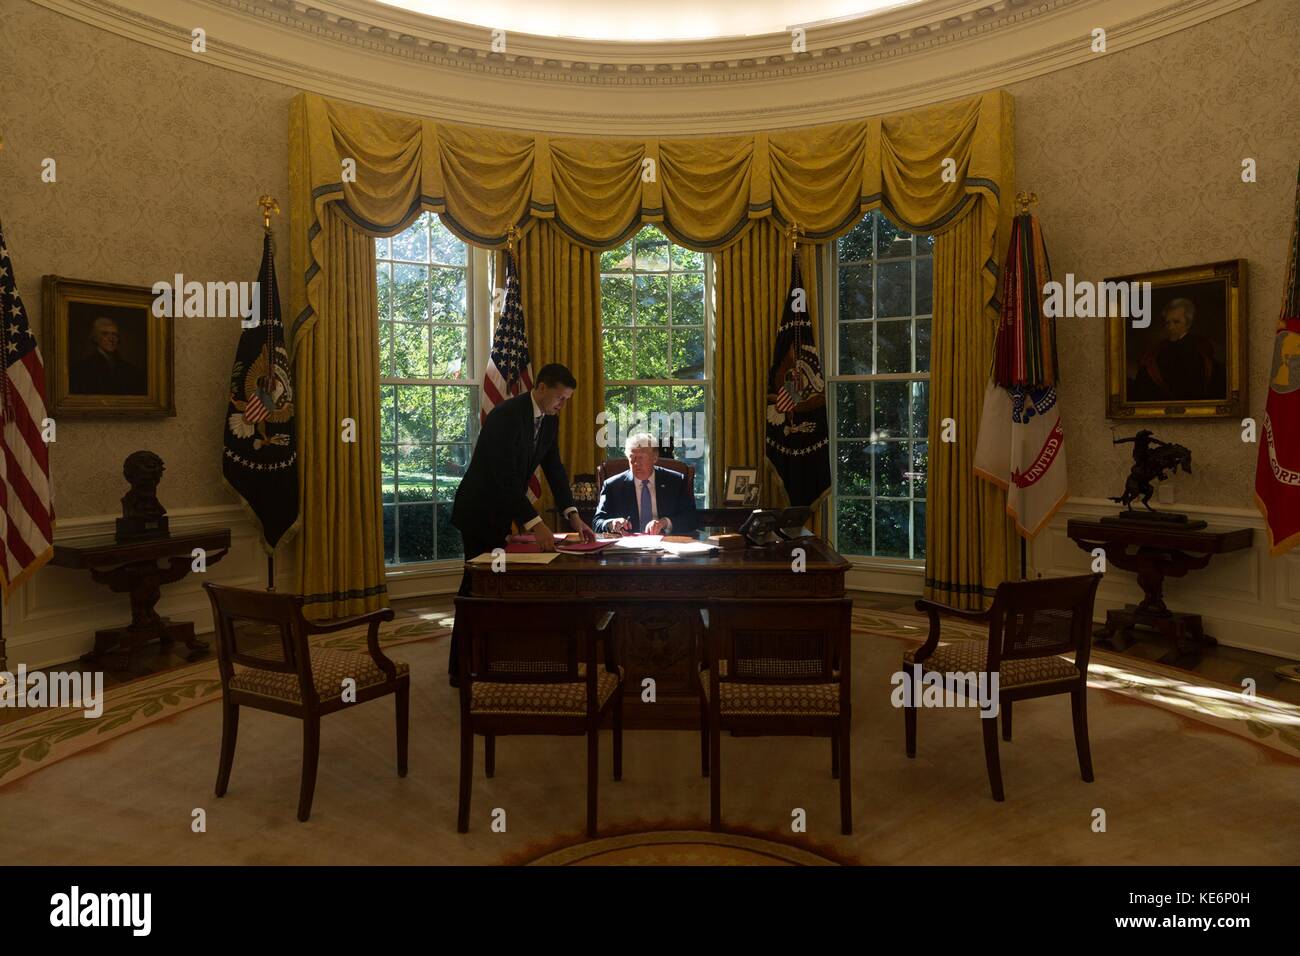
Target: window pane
[[684, 260], [855, 292], [443, 246], [651, 300], [384, 289], [890, 405], [853, 409], [388, 413], [448, 291], [855, 348], [894, 289], [616, 300], [449, 542], [924, 286], [410, 292], [891, 241], [617, 344], [414, 473], [617, 260], [452, 460], [415, 532], [651, 353], [688, 298], [892, 463], [892, 531], [855, 246], [414, 413], [688, 353], [410, 350], [381, 249], [920, 409], [449, 351], [893, 347], [853, 468], [920, 465], [385, 349], [390, 533], [853, 527], [388, 473], [413, 244], [651, 250], [918, 529], [454, 408], [923, 345]]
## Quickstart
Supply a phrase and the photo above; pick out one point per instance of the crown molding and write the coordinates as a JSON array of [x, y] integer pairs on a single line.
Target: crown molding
[[894, 60]]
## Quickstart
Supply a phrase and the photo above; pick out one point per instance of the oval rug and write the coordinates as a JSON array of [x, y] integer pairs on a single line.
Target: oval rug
[[681, 848]]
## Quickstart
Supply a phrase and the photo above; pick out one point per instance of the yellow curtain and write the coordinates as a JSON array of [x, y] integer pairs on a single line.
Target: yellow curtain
[[935, 170], [560, 284], [340, 548], [751, 278], [970, 545]]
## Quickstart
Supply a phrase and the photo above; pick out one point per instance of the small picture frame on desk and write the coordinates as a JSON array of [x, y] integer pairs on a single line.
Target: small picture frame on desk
[[742, 487]]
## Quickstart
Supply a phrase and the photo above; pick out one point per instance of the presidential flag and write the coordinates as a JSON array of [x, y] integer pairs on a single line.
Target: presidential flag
[[1277, 472], [509, 371], [26, 494], [798, 440], [260, 461], [1021, 444]]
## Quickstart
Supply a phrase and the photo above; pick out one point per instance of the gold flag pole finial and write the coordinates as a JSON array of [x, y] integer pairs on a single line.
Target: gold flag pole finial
[[1024, 200], [268, 205], [511, 232], [794, 236]]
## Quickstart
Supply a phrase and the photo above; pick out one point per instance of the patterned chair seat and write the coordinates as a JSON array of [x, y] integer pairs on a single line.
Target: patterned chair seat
[[568, 698], [964, 656], [328, 670], [760, 700]]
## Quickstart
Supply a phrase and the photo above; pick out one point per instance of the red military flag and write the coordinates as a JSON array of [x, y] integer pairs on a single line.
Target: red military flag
[[1277, 473]]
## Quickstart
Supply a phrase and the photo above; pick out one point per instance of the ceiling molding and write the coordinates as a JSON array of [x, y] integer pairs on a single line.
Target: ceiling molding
[[885, 62]]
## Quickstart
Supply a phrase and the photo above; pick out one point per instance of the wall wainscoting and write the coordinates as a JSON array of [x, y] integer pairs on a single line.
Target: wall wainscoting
[[1247, 598], [52, 618]]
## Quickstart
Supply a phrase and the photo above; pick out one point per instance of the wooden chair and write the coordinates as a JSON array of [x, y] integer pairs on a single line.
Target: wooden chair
[[616, 466], [776, 668], [1031, 623], [529, 667], [267, 663]]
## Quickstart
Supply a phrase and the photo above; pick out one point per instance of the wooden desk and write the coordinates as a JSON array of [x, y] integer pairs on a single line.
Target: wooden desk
[[657, 598], [1155, 553], [726, 519], [132, 567]]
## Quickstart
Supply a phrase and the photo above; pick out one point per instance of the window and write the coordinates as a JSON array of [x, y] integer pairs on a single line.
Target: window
[[881, 321], [656, 307], [428, 398]]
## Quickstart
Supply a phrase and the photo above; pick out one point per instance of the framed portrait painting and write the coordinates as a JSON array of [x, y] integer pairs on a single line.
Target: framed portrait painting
[[109, 355], [1189, 362]]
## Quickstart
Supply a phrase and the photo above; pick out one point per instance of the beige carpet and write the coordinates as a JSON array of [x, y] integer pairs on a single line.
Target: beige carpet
[[1182, 776]]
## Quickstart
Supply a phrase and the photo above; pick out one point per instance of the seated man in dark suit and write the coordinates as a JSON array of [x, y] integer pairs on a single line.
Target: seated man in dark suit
[[646, 497]]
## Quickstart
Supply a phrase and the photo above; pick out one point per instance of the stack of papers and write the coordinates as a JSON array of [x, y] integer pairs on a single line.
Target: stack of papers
[[517, 557], [639, 542]]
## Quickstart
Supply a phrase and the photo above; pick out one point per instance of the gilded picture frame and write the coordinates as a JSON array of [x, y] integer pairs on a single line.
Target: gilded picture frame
[[108, 355], [1190, 362]]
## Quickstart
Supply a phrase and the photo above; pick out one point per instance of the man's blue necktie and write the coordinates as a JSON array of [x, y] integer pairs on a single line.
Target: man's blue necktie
[[647, 509]]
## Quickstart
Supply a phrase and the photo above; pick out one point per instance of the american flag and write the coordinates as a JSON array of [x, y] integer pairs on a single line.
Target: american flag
[[509, 371], [26, 496]]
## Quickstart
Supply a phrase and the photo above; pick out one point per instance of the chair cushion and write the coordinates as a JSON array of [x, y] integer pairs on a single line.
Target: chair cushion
[[328, 670], [764, 700], [966, 656], [567, 698]]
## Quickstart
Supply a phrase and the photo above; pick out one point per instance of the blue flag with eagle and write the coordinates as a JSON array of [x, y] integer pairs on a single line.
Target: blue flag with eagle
[[798, 440], [260, 461]]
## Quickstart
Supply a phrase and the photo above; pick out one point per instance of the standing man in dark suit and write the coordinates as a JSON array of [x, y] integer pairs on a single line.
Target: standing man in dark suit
[[517, 436], [646, 497]]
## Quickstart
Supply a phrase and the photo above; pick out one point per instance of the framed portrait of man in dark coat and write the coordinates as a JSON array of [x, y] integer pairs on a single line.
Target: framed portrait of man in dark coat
[[1185, 358]]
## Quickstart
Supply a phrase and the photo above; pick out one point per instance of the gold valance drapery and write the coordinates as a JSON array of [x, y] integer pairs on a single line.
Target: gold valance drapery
[[925, 168]]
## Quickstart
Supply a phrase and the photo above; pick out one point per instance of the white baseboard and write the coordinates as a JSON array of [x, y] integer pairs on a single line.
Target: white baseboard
[[1247, 599]]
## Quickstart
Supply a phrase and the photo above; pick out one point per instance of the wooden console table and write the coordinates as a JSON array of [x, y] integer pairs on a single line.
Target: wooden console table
[[657, 628], [132, 567], [1155, 553]]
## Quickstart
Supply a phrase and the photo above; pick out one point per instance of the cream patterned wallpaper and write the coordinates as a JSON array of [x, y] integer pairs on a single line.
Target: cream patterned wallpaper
[[160, 161], [1136, 158]]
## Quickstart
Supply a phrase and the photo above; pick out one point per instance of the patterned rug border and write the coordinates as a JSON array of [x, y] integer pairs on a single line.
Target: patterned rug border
[[45, 737], [1264, 721], [572, 849]]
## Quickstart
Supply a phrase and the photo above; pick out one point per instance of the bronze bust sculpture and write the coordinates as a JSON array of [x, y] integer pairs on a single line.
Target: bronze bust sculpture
[[143, 516]]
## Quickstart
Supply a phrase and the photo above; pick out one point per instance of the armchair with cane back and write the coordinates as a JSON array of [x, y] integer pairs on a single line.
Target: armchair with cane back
[[267, 663], [776, 668], [530, 667], [1030, 626]]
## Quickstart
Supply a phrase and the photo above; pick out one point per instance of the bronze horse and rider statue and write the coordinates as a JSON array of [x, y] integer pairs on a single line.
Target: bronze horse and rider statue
[[1153, 460]]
